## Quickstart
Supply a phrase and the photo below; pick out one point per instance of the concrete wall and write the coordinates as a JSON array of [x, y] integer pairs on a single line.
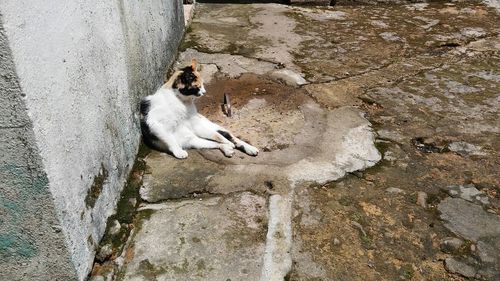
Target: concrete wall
[[26, 205], [74, 73]]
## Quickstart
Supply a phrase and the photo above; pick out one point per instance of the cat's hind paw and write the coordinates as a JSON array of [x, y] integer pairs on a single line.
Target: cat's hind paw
[[250, 150], [227, 150], [180, 154]]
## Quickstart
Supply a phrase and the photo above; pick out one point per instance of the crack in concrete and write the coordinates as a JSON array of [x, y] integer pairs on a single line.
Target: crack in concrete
[[451, 56], [362, 73], [203, 195]]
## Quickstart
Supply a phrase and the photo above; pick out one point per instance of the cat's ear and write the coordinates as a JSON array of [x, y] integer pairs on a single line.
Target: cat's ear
[[194, 64]]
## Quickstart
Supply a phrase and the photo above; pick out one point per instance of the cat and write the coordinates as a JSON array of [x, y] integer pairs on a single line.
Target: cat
[[171, 123]]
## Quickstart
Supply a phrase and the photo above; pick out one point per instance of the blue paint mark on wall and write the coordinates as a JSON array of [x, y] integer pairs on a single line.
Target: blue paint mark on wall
[[16, 207], [12, 245]]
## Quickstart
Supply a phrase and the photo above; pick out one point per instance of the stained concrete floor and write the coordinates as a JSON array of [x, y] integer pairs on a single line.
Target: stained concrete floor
[[379, 134]]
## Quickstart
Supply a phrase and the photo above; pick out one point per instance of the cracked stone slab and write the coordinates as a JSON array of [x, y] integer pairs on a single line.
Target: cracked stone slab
[[218, 238], [342, 38], [347, 145], [468, 220], [472, 222], [290, 127], [467, 192], [314, 145], [349, 91], [167, 178], [456, 266], [277, 29], [230, 65], [234, 66], [298, 139], [264, 31]]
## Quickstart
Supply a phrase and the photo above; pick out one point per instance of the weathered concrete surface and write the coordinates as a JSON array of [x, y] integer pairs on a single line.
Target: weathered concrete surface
[[81, 68], [335, 213], [301, 142], [168, 179], [26, 205], [216, 238]]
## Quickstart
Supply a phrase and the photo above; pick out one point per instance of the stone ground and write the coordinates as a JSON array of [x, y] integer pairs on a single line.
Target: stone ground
[[379, 136]]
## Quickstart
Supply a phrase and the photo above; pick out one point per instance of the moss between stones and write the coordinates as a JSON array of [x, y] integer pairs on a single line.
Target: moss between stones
[[126, 210]]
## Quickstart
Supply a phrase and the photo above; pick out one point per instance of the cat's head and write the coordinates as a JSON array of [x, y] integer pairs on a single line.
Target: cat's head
[[189, 81]]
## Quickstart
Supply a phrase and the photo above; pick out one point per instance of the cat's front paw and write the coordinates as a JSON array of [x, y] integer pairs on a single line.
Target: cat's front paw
[[180, 154], [250, 150], [227, 150]]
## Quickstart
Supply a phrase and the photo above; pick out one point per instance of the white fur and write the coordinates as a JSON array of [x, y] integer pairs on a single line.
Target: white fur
[[174, 120]]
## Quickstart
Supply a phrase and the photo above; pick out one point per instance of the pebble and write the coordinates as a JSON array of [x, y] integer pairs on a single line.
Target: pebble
[[394, 190], [97, 278], [104, 252], [465, 149], [389, 156], [336, 241], [358, 174], [422, 199], [451, 244], [133, 201], [115, 228], [56, 228], [391, 135], [388, 235]]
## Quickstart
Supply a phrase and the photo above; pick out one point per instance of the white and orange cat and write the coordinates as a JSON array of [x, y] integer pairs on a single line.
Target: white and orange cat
[[170, 121]]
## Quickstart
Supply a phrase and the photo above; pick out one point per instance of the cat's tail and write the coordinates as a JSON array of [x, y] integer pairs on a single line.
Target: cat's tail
[[150, 139]]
